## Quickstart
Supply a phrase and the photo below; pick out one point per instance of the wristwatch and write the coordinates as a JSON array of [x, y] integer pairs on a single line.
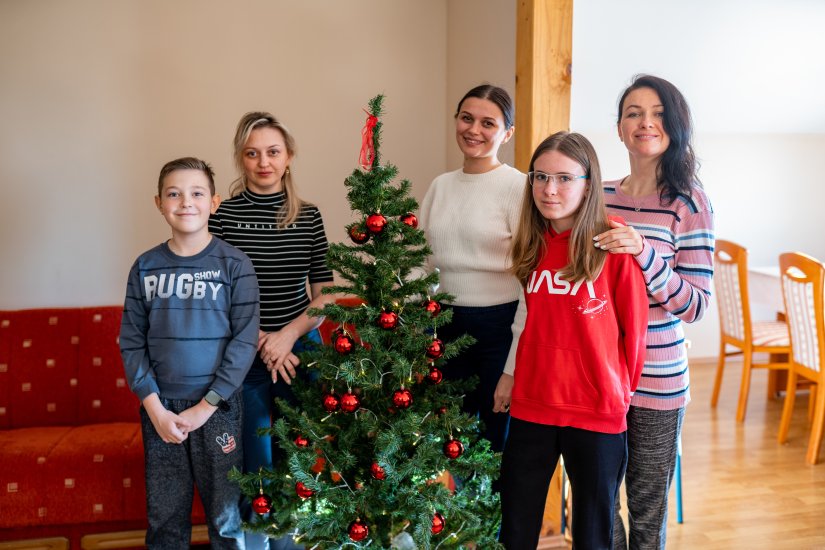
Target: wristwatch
[[214, 398]]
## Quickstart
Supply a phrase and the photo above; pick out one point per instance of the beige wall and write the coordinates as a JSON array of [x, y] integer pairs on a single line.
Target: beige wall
[[481, 49], [95, 96]]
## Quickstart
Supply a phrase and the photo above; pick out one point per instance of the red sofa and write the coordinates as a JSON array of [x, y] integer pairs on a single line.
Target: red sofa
[[71, 454]]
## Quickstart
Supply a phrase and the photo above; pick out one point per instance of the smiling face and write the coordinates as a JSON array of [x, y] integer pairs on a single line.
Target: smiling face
[[480, 130], [641, 127], [265, 159], [557, 202], [186, 202]]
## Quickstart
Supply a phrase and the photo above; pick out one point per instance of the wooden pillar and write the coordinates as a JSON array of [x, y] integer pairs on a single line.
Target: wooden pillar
[[544, 57]]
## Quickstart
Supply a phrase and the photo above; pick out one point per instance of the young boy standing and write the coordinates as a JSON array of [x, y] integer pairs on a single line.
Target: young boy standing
[[188, 337]]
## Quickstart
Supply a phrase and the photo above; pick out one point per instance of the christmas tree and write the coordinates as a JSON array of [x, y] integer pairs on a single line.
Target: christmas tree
[[367, 445]]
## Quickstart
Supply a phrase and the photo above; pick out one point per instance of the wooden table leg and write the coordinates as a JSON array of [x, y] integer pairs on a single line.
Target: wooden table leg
[[777, 379]]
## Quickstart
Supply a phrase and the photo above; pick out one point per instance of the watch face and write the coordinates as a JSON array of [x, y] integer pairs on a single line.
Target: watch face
[[213, 398]]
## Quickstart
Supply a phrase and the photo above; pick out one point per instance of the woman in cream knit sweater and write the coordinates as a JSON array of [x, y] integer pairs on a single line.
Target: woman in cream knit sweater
[[469, 216]]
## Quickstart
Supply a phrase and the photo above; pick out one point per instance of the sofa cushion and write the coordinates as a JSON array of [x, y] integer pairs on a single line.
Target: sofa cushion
[[65, 475], [6, 318], [103, 393], [42, 368]]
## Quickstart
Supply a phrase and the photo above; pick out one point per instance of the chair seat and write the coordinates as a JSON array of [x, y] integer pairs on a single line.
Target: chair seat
[[770, 333]]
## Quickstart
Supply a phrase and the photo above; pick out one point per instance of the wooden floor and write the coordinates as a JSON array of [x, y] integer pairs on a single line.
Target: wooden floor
[[741, 488]]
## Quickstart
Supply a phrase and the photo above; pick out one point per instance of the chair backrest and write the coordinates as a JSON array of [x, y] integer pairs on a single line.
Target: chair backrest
[[730, 278], [802, 280]]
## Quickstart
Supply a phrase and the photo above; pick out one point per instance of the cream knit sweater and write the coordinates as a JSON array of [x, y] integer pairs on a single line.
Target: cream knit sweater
[[470, 221]]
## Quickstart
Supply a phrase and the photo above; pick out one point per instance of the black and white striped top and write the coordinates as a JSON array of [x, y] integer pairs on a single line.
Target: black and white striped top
[[284, 259]]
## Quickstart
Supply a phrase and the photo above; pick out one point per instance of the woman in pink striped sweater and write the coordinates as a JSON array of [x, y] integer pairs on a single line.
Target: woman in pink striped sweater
[[670, 233]]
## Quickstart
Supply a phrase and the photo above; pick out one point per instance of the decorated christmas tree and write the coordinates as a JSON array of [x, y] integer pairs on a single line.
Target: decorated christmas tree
[[368, 444]]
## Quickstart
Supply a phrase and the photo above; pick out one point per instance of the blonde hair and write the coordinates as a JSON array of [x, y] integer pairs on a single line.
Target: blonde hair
[[528, 248], [256, 120]]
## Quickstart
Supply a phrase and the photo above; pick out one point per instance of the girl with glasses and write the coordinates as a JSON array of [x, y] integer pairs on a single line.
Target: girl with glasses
[[579, 356]]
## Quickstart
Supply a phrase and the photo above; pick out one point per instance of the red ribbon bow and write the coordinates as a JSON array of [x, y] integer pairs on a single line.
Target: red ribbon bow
[[367, 155]]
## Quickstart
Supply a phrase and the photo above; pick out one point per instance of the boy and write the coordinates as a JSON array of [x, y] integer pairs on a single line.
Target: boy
[[188, 337]]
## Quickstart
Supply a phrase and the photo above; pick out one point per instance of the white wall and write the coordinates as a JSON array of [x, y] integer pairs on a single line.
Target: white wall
[[95, 96], [752, 75]]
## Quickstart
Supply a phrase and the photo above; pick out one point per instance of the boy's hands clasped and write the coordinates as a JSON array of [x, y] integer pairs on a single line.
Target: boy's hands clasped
[[175, 428], [197, 415], [171, 428]]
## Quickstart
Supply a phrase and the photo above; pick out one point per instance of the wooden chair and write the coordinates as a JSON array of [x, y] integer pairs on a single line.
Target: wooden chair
[[802, 287], [736, 327]]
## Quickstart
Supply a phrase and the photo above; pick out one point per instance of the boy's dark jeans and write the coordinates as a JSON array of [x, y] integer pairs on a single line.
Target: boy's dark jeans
[[203, 459]]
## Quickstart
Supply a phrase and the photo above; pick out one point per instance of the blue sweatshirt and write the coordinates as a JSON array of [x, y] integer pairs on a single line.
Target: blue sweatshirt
[[190, 324]]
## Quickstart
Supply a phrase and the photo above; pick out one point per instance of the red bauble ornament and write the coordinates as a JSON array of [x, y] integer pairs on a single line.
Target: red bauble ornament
[[402, 398], [435, 349], [262, 504], [377, 472], [350, 402], [375, 223], [301, 442], [331, 402], [435, 376], [453, 448], [441, 410], [358, 530], [410, 219], [432, 307], [358, 234], [438, 523], [343, 343], [388, 320], [303, 491]]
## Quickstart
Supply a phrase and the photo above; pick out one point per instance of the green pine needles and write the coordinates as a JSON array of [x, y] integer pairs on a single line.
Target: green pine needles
[[374, 427]]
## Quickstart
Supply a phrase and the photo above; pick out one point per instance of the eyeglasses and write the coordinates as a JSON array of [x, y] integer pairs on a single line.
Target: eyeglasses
[[562, 181]]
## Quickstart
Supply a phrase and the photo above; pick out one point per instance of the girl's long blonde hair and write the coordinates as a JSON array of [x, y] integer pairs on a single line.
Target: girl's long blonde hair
[[528, 248], [254, 121]]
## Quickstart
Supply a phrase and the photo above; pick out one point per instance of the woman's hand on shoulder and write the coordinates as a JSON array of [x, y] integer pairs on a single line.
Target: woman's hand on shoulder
[[503, 393], [620, 239]]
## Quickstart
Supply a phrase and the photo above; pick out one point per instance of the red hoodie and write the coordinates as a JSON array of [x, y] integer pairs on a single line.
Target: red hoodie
[[582, 350]]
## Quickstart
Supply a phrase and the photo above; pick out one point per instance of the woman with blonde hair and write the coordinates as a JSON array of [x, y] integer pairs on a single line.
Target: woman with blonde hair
[[284, 237], [579, 355]]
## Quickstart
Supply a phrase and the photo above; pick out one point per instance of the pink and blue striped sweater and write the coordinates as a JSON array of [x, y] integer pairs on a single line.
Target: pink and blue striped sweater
[[677, 263]]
